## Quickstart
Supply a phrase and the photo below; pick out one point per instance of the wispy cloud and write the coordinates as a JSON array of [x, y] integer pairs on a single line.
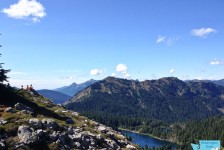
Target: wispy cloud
[[202, 32], [161, 39], [68, 77], [26, 9], [17, 73], [216, 62], [166, 40], [96, 72], [171, 71]]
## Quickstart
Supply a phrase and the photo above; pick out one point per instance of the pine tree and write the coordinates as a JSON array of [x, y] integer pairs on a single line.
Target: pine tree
[[3, 72]]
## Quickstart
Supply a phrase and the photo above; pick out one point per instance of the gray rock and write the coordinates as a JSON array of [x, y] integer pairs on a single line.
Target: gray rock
[[122, 143], [54, 136], [77, 137], [21, 107], [112, 144], [69, 121], [102, 129], [40, 132], [99, 138], [70, 130], [50, 123], [131, 147], [27, 112], [2, 145], [62, 137], [27, 135], [77, 145], [9, 109], [77, 130], [36, 123], [2, 121]]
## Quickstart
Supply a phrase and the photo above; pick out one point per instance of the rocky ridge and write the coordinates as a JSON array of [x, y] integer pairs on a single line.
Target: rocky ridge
[[24, 126]]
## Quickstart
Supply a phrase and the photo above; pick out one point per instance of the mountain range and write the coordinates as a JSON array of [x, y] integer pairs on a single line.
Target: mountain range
[[166, 99], [63, 94], [74, 88], [56, 97], [217, 82]]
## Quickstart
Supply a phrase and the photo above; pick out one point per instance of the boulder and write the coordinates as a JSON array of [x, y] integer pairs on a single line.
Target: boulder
[[27, 135], [131, 147], [99, 138], [22, 107], [112, 144], [2, 121], [102, 129], [122, 143], [77, 145], [9, 109], [62, 137], [40, 132], [49, 124], [2, 145], [36, 123], [69, 121], [77, 137], [54, 136]]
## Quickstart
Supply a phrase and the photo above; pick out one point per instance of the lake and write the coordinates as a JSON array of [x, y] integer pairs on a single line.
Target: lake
[[143, 140]]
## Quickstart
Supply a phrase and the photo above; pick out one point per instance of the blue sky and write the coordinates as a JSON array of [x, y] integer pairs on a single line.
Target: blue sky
[[53, 43]]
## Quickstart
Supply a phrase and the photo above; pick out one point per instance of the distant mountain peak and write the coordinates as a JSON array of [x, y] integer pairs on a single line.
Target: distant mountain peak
[[74, 88]]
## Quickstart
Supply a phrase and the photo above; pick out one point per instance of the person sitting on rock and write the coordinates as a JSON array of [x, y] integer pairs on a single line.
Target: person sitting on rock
[[31, 87], [27, 88], [8, 85]]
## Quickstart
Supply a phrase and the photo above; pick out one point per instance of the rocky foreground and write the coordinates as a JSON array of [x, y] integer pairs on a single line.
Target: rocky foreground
[[34, 122]]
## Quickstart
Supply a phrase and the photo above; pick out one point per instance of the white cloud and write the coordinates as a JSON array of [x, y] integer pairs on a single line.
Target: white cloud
[[96, 72], [26, 9], [113, 75], [216, 62], [122, 68], [167, 40], [172, 71], [202, 32]]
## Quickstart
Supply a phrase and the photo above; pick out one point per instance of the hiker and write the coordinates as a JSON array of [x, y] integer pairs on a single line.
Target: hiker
[[8, 85], [21, 87], [27, 87], [31, 87]]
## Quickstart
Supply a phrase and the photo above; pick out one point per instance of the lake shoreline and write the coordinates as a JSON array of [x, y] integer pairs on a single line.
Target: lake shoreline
[[146, 139], [155, 137]]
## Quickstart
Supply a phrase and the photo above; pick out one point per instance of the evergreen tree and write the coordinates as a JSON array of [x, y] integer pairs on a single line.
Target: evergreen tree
[[3, 72]]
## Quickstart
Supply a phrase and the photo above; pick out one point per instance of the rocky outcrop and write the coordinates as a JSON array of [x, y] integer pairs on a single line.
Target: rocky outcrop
[[9, 109], [2, 145], [70, 138], [24, 108], [2, 121], [35, 123], [45, 128], [27, 135], [50, 123]]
